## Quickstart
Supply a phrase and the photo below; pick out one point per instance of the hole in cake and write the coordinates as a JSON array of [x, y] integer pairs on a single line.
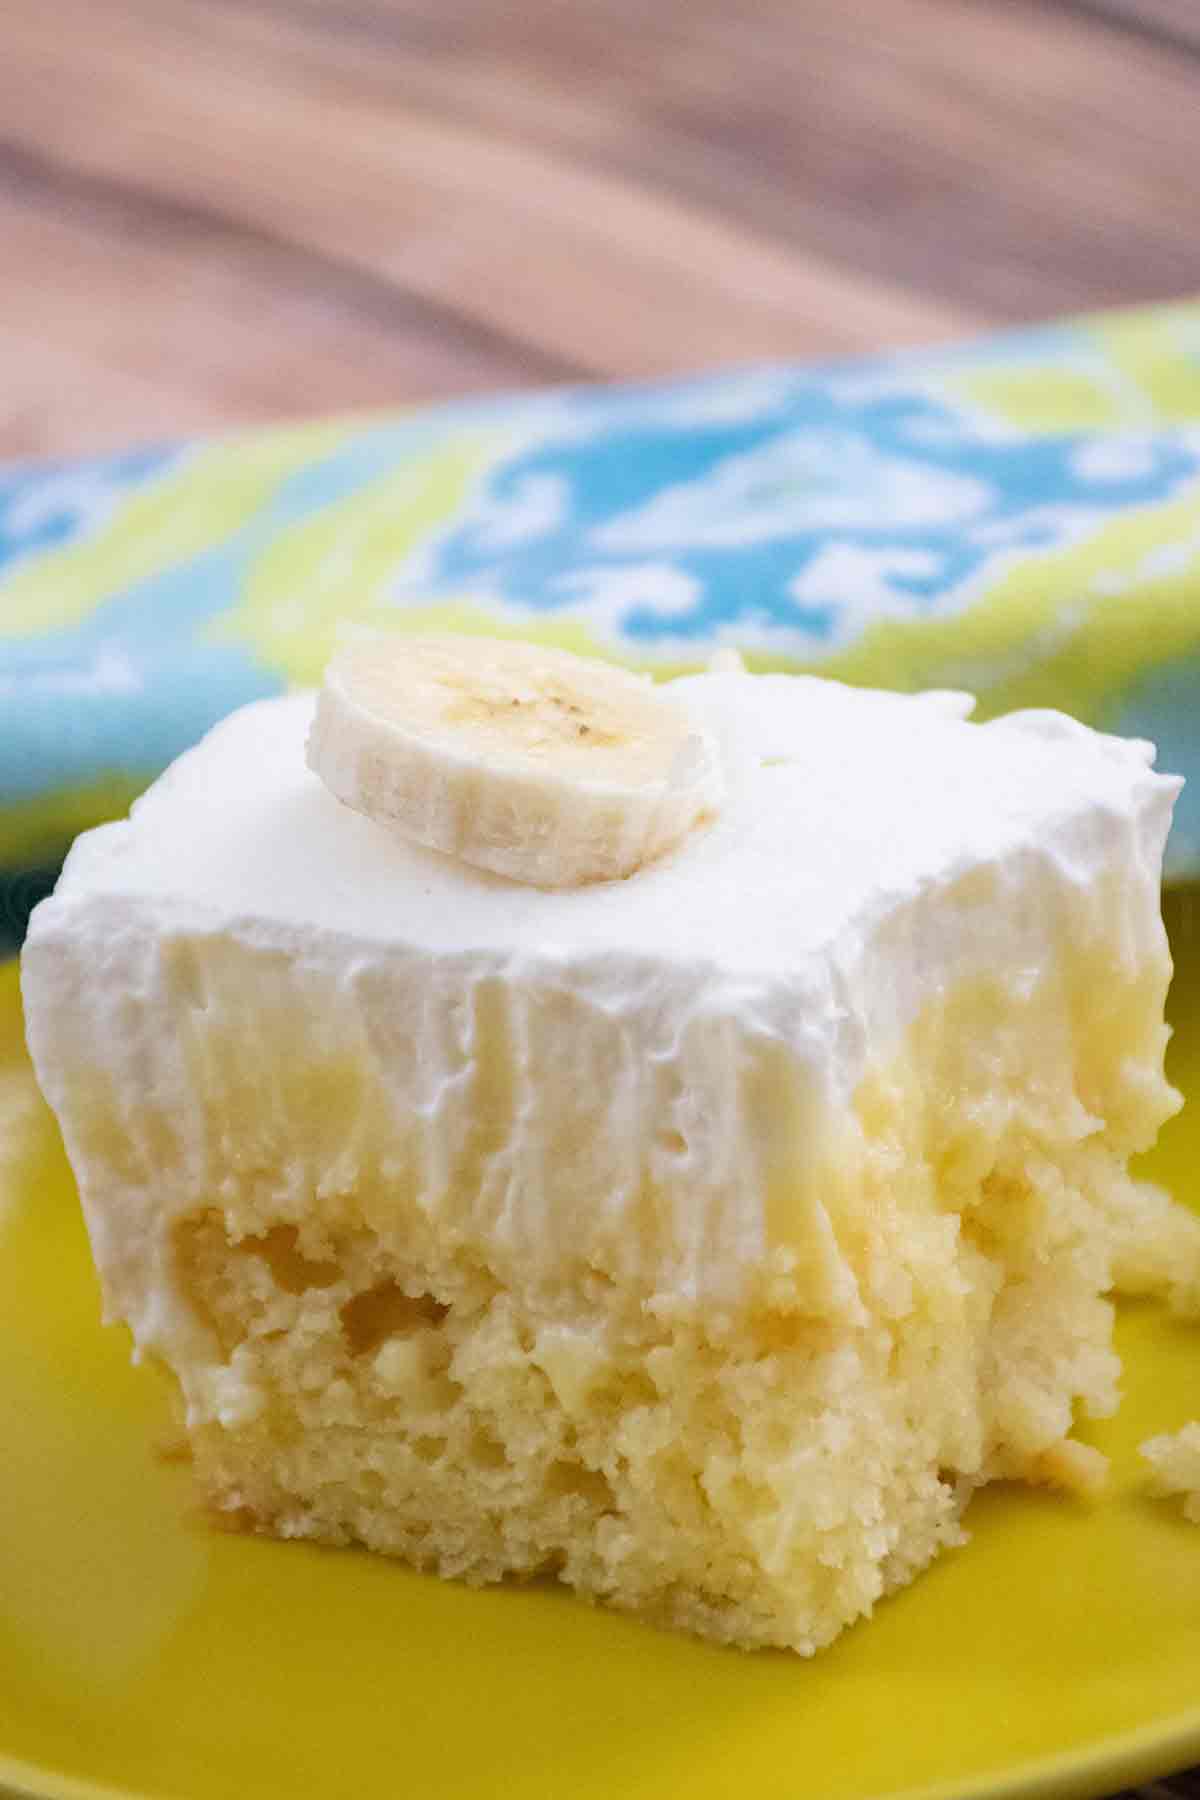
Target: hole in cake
[[564, 1477], [293, 1272], [623, 1391], [673, 1142], [637, 1389], [429, 1449], [486, 1451], [386, 1311], [782, 1331], [442, 1392], [200, 1248]]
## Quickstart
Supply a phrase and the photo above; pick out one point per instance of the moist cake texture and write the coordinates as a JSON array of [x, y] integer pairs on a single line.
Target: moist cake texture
[[704, 1239]]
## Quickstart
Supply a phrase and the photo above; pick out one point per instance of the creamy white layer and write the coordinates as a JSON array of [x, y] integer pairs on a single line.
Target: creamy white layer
[[650, 1083]]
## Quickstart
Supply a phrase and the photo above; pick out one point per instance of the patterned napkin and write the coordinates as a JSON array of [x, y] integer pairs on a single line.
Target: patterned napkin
[[1018, 516]]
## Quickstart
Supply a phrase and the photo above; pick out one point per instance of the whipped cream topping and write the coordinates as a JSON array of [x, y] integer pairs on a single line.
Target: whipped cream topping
[[651, 1079], [840, 801]]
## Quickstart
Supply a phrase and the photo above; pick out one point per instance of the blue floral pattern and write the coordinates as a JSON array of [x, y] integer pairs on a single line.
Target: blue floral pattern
[[1020, 516]]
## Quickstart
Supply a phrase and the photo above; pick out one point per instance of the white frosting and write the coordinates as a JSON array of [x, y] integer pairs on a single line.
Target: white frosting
[[651, 1078]]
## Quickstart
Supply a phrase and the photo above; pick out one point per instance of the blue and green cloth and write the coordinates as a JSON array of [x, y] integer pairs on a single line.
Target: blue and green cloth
[[1018, 516]]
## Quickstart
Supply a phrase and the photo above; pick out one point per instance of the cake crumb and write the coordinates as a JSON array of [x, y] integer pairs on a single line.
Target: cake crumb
[[1076, 1468], [1174, 1459]]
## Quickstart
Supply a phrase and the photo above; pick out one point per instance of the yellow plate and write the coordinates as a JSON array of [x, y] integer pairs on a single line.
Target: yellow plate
[[142, 1653]]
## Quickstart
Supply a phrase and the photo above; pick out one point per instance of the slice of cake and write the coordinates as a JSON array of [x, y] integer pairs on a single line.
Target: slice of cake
[[703, 1237]]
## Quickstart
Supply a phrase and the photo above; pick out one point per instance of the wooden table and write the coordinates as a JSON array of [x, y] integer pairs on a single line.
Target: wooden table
[[217, 211]]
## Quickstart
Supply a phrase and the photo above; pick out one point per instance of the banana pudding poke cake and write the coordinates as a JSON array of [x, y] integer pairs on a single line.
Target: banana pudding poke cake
[[670, 1137]]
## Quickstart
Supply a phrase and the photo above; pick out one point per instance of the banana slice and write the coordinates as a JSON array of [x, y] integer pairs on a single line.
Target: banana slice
[[545, 767]]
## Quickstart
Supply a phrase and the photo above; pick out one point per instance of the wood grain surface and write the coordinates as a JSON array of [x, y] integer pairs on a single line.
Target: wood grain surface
[[221, 211]]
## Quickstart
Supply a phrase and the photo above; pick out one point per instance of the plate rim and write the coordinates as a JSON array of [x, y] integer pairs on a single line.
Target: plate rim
[[1150, 1753]]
